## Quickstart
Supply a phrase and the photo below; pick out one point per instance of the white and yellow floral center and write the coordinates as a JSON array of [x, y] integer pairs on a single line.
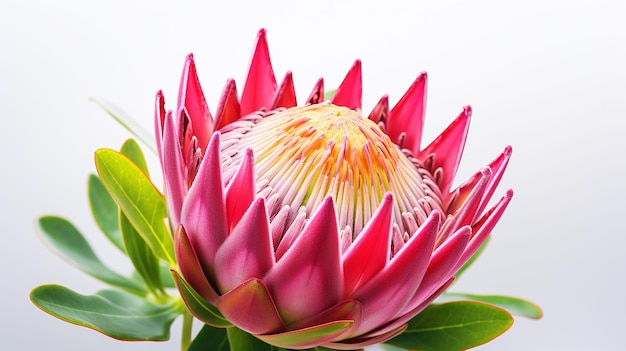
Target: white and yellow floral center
[[304, 154]]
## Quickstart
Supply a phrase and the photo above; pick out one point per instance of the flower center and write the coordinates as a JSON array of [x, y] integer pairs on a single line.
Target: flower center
[[304, 154]]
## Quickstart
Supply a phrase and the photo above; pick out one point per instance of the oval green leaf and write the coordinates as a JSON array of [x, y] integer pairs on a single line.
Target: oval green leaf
[[114, 313], [230, 339], [166, 276], [142, 203], [105, 211], [145, 261], [239, 340], [454, 326], [66, 241], [142, 257], [131, 149], [514, 305], [210, 339]]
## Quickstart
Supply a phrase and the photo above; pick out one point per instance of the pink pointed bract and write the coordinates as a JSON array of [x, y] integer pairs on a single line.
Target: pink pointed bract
[[313, 225]]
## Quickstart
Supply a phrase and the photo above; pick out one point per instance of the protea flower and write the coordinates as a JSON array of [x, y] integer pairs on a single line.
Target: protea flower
[[315, 225]]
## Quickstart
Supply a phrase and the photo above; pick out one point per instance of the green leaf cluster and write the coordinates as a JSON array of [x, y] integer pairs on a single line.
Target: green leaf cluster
[[131, 213]]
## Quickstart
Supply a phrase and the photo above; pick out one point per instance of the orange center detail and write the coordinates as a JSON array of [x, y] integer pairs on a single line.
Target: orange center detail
[[304, 154]]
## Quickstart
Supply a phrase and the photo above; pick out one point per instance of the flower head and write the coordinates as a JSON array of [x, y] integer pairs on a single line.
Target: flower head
[[315, 225]]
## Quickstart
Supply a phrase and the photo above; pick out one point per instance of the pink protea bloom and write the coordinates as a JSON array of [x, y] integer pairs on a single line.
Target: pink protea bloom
[[313, 225]]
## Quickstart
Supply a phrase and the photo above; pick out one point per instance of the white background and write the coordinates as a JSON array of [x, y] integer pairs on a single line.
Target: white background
[[549, 78]]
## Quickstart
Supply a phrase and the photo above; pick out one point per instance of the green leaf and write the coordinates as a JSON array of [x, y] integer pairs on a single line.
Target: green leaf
[[105, 211], [127, 122], [230, 339], [166, 276], [198, 306], [514, 305], [131, 149], [144, 260], [142, 257], [329, 94], [472, 259], [210, 339], [65, 240], [239, 340], [454, 326], [139, 199], [114, 313]]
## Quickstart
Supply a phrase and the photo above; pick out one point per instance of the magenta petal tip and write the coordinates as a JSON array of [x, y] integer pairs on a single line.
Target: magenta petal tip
[[349, 92]]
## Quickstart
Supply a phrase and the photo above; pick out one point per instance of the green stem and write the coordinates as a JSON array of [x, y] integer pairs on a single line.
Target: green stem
[[186, 334]]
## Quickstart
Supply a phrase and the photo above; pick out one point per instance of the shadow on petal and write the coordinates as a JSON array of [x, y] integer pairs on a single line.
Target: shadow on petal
[[317, 94], [190, 266], [402, 320], [347, 310], [228, 109], [191, 98], [204, 211], [365, 340]]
